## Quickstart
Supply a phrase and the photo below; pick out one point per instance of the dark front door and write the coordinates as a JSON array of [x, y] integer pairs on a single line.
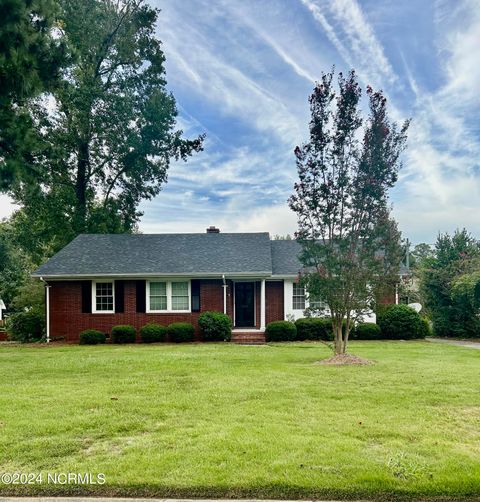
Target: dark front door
[[244, 304]]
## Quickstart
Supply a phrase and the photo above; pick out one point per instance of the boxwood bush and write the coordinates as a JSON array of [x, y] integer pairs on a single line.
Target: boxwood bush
[[314, 328], [181, 332], [92, 337], [123, 334], [401, 322], [153, 333], [215, 326], [28, 326], [280, 331], [366, 331]]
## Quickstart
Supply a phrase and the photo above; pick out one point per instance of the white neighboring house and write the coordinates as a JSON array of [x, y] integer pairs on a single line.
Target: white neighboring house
[[2, 308]]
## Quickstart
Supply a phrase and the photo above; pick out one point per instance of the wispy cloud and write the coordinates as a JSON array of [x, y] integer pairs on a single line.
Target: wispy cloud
[[441, 164], [361, 49], [241, 71]]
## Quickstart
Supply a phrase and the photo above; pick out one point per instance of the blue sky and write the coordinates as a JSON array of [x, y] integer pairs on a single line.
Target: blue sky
[[242, 70]]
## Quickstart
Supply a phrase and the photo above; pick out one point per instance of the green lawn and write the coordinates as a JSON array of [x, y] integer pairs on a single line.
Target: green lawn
[[226, 420]]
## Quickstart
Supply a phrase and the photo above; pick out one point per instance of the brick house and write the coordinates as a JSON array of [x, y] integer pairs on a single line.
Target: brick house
[[102, 280]]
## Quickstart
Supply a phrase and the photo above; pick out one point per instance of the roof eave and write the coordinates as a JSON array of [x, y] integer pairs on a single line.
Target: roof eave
[[205, 275]]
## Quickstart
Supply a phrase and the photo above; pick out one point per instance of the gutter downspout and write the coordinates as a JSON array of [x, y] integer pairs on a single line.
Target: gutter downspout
[[224, 294], [47, 308]]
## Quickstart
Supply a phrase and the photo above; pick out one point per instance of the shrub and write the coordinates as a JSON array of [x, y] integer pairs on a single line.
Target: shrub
[[381, 308], [215, 326], [92, 337], [152, 333], [426, 327], [366, 331], [401, 322], [123, 334], [280, 331], [181, 332], [28, 326], [314, 328]]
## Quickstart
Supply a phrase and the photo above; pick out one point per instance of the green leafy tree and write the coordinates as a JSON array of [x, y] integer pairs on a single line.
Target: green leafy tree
[[345, 171], [109, 131], [466, 290], [420, 258], [30, 60], [14, 266], [421, 255], [448, 282]]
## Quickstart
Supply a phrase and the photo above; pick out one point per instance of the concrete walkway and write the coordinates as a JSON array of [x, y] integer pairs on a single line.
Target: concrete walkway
[[459, 343]]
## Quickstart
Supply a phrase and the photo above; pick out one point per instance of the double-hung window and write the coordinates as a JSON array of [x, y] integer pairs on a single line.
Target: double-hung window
[[103, 298], [298, 297], [168, 296], [180, 297], [158, 296]]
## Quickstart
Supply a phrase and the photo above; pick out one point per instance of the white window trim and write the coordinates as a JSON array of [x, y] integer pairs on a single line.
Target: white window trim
[[169, 309], [94, 297], [304, 296]]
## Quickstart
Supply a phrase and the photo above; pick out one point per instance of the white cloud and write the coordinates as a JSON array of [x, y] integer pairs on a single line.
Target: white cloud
[[7, 207], [237, 216]]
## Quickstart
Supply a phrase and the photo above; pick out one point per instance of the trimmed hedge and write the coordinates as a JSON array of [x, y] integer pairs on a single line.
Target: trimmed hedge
[[123, 334], [26, 326], [314, 328], [92, 337], [181, 332], [366, 331], [153, 333], [280, 331], [215, 326], [401, 322]]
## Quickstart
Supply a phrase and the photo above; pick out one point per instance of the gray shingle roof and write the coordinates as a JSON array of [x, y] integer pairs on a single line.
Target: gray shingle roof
[[108, 254], [174, 254], [285, 259]]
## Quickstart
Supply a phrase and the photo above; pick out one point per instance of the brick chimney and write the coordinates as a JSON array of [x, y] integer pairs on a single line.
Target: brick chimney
[[213, 230]]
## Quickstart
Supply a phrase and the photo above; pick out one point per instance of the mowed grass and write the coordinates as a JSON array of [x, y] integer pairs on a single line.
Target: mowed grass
[[214, 420]]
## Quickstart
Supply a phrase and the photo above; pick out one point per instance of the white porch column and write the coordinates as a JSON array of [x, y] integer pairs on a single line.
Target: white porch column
[[224, 285], [47, 308], [262, 305]]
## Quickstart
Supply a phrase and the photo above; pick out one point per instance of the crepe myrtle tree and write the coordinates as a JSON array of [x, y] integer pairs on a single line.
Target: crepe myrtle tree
[[350, 245]]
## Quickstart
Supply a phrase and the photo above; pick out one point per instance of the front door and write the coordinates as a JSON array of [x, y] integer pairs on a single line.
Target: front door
[[244, 304]]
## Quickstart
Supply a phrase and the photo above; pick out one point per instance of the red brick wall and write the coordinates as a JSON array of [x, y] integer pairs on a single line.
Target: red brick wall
[[274, 301], [388, 297], [67, 319]]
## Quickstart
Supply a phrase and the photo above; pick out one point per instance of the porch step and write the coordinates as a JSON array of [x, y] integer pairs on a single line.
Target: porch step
[[248, 337]]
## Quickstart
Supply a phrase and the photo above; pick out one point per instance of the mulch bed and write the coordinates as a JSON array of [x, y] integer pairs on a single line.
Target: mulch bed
[[345, 360]]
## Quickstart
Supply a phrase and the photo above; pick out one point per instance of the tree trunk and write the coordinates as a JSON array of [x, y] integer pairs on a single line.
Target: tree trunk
[[348, 325], [338, 338], [80, 217]]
